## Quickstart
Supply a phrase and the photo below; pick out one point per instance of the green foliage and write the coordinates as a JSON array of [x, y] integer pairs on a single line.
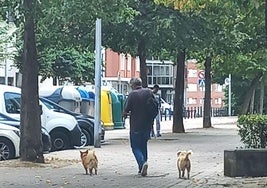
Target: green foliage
[[68, 65], [253, 130], [65, 33], [7, 40]]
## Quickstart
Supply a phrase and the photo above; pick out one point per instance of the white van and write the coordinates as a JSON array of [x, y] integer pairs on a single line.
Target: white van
[[63, 128]]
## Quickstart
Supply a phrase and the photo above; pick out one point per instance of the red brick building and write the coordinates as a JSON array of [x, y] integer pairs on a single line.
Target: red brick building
[[195, 88]]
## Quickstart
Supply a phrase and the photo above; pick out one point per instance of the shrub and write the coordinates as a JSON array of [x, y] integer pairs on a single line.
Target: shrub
[[253, 130]]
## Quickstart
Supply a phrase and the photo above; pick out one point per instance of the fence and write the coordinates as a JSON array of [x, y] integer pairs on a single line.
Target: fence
[[194, 112]]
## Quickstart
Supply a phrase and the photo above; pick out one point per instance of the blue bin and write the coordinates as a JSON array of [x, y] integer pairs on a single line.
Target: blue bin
[[85, 104]]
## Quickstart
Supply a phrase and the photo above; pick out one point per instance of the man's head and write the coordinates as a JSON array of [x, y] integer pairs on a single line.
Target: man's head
[[155, 88], [135, 82]]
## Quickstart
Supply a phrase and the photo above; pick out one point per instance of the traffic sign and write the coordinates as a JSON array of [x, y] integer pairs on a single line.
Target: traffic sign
[[201, 82], [227, 81], [201, 74]]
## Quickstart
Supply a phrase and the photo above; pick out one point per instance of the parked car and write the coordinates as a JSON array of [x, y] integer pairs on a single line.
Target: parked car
[[166, 107], [9, 142], [85, 122], [46, 139], [63, 128]]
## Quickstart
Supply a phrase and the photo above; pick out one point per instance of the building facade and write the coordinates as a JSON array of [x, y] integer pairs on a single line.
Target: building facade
[[120, 68], [195, 88]]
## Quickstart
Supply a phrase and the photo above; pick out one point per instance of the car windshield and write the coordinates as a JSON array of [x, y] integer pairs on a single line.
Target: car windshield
[[49, 106]]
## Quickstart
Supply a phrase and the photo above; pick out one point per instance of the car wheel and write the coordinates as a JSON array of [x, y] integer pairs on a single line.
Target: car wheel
[[60, 141], [85, 137], [7, 150]]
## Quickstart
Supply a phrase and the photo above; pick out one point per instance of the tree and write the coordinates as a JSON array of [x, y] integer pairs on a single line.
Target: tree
[[65, 35], [31, 147], [182, 30], [207, 103], [65, 26], [137, 36], [178, 126]]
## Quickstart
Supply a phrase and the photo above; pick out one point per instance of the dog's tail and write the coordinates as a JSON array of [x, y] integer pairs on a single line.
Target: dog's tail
[[94, 155]]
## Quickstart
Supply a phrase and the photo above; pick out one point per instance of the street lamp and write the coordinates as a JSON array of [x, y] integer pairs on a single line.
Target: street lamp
[[228, 81], [5, 61]]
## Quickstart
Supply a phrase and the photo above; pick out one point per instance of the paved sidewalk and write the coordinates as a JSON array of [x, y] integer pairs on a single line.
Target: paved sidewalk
[[117, 166]]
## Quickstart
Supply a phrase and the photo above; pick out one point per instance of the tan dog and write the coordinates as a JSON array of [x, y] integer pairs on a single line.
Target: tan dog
[[183, 162], [89, 161]]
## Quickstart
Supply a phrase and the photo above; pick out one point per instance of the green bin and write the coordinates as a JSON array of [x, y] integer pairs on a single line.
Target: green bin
[[117, 109]]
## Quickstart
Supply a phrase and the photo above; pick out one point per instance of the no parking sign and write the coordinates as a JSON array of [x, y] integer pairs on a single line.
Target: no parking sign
[[201, 74]]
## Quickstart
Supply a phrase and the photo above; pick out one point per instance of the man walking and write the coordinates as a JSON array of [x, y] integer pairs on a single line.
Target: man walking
[[158, 98], [140, 124]]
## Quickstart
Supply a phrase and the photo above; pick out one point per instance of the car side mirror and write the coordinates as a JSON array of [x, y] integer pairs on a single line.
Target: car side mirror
[[41, 109]]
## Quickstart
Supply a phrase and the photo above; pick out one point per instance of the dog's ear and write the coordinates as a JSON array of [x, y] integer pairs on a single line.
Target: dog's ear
[[178, 153], [189, 153]]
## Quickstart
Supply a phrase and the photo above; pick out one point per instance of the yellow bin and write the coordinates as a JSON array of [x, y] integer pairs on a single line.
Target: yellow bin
[[106, 109]]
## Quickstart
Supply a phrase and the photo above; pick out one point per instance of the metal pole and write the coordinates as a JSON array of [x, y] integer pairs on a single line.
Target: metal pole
[[97, 123], [203, 95], [229, 97], [6, 72]]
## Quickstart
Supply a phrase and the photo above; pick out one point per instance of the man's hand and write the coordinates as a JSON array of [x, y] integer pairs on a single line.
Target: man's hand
[[124, 114]]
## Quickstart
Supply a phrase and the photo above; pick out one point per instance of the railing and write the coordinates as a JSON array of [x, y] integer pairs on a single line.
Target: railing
[[195, 112]]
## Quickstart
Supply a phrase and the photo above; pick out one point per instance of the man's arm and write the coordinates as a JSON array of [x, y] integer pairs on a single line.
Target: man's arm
[[127, 107]]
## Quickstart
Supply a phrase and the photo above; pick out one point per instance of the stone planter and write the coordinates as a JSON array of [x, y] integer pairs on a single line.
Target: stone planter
[[245, 163]]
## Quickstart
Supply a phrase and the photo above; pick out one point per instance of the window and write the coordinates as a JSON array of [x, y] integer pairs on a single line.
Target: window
[[192, 87], [192, 73], [218, 87], [137, 64], [12, 102], [122, 61], [128, 61], [201, 100], [168, 70], [192, 100], [218, 101]]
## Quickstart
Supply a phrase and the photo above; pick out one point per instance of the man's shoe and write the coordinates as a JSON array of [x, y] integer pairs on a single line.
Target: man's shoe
[[144, 169], [159, 135]]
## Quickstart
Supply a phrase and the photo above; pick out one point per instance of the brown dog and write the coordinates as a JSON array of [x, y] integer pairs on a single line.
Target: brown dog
[[183, 162], [89, 161]]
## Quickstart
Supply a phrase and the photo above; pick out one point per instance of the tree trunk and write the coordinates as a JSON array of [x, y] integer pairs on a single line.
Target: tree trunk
[[252, 102], [251, 88], [178, 124], [207, 104], [261, 97], [31, 147], [142, 57], [265, 23]]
